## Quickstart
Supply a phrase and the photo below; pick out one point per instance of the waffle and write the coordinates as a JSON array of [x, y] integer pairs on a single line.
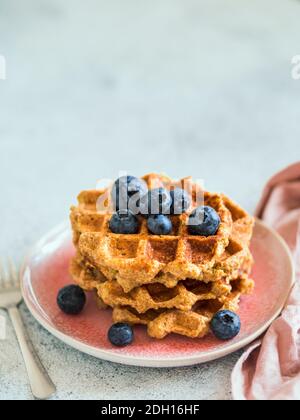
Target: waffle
[[194, 323], [143, 258], [88, 275], [173, 283], [85, 274], [156, 296], [186, 309]]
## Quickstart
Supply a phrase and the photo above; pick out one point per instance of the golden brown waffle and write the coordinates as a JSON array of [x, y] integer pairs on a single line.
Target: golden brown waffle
[[186, 309], [88, 276], [174, 283], [85, 274], [194, 323], [156, 296], [135, 260]]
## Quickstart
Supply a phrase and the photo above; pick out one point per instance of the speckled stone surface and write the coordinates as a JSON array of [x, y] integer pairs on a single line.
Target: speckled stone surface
[[194, 87]]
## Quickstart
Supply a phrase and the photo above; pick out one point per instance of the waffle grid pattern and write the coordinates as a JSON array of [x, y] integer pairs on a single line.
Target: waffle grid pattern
[[126, 269]]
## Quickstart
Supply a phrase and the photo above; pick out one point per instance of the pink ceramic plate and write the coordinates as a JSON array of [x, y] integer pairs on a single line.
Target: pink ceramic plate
[[46, 270]]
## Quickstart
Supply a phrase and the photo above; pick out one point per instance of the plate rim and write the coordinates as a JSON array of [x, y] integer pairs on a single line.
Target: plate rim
[[162, 362]]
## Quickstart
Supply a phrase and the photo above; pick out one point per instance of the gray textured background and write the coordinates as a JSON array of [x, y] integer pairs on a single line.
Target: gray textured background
[[185, 87]]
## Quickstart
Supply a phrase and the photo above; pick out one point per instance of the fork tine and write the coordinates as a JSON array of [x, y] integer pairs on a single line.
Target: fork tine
[[13, 274]]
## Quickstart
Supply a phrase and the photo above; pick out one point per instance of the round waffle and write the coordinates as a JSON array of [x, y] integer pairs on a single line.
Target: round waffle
[[194, 323], [173, 283], [157, 296], [135, 260], [186, 309]]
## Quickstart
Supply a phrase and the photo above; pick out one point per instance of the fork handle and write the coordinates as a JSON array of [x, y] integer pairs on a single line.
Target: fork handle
[[41, 385]]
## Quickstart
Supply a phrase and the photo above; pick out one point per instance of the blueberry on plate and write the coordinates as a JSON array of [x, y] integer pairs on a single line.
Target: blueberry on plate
[[226, 325], [156, 201], [120, 334], [126, 193], [204, 221], [181, 201], [124, 222], [159, 225], [71, 299]]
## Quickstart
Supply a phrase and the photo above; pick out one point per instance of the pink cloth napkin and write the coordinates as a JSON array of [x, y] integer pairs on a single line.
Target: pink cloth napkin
[[270, 367]]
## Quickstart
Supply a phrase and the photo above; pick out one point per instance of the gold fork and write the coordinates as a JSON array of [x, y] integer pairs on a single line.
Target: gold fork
[[10, 297]]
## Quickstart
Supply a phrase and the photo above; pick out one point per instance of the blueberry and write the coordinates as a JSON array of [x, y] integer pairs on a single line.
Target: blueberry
[[181, 201], [159, 225], [124, 221], [120, 334], [226, 325], [71, 299], [126, 193], [204, 221], [157, 201]]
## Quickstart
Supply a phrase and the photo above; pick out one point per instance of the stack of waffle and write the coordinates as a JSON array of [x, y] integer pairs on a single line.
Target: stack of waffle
[[172, 284]]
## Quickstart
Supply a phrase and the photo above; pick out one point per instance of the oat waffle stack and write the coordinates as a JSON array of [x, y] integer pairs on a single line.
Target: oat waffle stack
[[173, 283]]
